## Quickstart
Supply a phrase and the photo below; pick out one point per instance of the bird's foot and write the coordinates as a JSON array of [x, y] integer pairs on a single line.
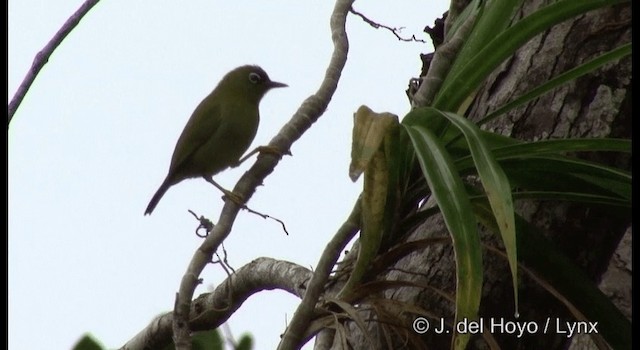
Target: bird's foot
[[263, 150], [272, 150], [236, 198], [227, 194]]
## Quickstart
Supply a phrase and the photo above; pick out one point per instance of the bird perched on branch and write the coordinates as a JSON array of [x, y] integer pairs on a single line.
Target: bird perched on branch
[[220, 129]]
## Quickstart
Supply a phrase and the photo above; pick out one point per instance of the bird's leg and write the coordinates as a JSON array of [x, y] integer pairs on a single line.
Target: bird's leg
[[262, 149], [227, 194]]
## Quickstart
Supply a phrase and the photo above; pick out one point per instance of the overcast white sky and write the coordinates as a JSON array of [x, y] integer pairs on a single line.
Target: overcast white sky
[[92, 141]]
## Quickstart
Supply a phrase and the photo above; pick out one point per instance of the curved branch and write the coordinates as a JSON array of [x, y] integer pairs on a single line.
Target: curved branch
[[42, 57], [210, 310], [301, 318], [307, 114]]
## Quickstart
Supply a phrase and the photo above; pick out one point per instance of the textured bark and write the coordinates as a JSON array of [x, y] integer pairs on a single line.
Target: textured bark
[[597, 105]]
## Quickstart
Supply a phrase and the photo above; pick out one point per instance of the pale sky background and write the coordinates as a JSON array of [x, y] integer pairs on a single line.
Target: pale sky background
[[93, 138]]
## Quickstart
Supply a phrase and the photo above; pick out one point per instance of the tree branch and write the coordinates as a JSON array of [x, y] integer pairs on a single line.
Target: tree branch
[[210, 310], [308, 113], [301, 318], [42, 57], [441, 63]]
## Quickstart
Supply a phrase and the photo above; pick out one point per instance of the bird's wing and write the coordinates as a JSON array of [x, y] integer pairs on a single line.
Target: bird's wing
[[204, 122]]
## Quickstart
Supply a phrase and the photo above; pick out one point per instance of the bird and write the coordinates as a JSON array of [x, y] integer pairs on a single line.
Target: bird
[[220, 129]]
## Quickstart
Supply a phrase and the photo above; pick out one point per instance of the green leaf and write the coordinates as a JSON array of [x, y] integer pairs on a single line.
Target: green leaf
[[497, 188], [245, 342], [466, 77], [543, 147], [470, 10], [561, 79], [88, 342], [493, 20], [584, 198], [452, 199], [580, 294], [204, 340], [207, 340], [572, 175]]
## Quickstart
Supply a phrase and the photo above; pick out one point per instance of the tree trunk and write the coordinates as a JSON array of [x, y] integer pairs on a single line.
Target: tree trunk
[[597, 105]]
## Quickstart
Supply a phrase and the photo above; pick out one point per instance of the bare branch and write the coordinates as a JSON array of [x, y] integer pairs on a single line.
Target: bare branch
[[210, 310], [307, 114], [394, 31], [43, 56], [301, 318], [441, 64], [224, 262], [267, 216]]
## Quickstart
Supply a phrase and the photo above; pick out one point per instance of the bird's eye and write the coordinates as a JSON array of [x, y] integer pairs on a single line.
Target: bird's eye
[[255, 78]]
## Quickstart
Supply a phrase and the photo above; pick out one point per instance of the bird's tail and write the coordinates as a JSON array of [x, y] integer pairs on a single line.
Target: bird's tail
[[156, 197]]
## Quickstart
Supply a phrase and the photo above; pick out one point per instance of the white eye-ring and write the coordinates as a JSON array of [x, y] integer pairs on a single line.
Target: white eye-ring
[[254, 77]]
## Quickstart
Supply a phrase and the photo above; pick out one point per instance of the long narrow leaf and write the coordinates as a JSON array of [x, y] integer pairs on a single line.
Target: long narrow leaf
[[579, 293], [564, 145], [453, 201], [497, 188], [460, 83], [355, 316], [561, 79], [531, 149], [411, 222], [573, 175], [494, 18], [584, 198]]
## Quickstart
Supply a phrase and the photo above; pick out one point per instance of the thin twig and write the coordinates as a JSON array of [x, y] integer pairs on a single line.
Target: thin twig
[[301, 318], [307, 114], [394, 31], [205, 224], [226, 258], [42, 57], [224, 262], [266, 216]]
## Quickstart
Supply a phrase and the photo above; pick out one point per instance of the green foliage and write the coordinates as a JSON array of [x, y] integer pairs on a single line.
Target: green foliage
[[484, 53], [245, 342], [453, 201], [561, 79], [532, 170], [205, 340], [514, 170], [453, 154], [87, 342], [494, 181], [560, 276]]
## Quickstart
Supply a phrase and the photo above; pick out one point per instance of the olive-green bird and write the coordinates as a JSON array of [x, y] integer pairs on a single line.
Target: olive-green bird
[[220, 129]]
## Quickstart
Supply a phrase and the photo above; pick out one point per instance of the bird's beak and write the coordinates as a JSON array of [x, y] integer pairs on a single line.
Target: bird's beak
[[275, 84]]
